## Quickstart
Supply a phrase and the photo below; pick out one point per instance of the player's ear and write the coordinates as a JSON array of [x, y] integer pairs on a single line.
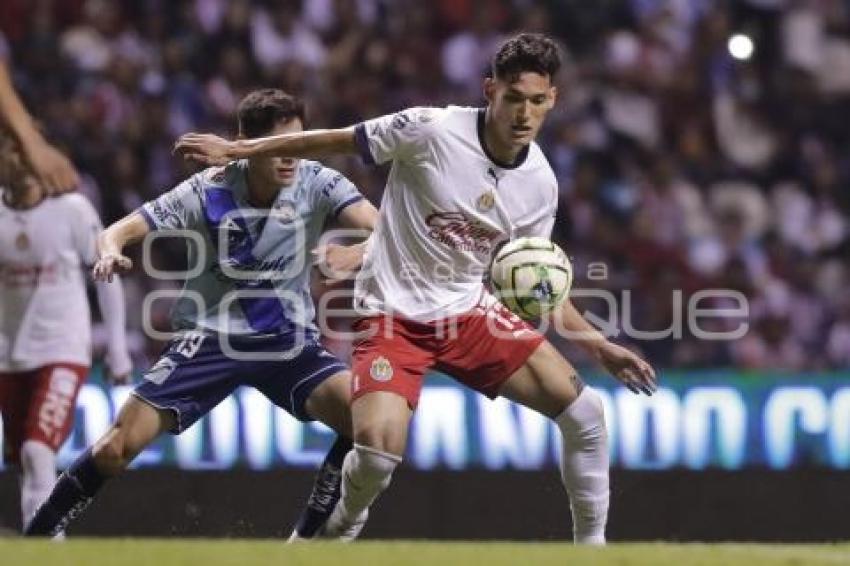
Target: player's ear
[[552, 98], [489, 88]]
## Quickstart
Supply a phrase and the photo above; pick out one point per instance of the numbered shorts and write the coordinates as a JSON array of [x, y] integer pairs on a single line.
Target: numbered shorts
[[195, 374], [39, 405], [481, 349]]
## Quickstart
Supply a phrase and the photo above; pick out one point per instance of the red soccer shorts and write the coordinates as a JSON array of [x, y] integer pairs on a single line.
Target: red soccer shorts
[[481, 349], [38, 405]]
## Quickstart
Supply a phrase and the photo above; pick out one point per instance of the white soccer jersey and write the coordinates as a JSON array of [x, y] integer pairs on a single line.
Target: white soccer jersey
[[44, 310], [447, 206]]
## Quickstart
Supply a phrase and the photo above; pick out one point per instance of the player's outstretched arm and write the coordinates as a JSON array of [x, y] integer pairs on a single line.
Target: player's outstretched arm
[[111, 242], [210, 149], [55, 172], [629, 368]]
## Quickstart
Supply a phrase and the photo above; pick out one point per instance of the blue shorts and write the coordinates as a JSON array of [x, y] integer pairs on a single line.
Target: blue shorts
[[193, 375]]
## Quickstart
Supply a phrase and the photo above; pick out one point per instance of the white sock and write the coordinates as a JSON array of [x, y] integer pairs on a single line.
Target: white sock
[[366, 472], [38, 474], [584, 466]]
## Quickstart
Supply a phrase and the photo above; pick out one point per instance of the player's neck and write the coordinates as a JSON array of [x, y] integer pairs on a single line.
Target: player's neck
[[260, 194], [503, 154], [23, 198]]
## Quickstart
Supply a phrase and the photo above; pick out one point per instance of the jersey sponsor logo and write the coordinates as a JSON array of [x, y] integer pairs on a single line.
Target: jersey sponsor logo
[[260, 269], [29, 275], [461, 232], [381, 370]]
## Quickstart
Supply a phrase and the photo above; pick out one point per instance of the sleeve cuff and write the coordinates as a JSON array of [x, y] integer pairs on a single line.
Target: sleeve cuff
[[148, 218], [362, 143], [347, 203]]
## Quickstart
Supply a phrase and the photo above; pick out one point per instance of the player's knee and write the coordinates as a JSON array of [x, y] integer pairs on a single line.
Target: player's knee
[[379, 436], [369, 466], [584, 417]]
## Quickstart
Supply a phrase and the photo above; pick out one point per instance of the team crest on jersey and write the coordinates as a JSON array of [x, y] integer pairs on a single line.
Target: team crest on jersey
[[486, 201], [285, 211], [22, 242], [381, 370]]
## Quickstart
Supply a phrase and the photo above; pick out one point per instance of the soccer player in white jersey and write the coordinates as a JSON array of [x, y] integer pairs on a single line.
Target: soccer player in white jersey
[[45, 326], [245, 317], [462, 181]]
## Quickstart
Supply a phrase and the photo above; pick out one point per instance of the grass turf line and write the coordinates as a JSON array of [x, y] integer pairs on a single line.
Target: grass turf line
[[215, 552]]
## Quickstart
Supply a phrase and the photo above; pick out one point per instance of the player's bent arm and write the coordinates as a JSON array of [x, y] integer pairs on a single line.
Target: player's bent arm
[[311, 144], [111, 242], [54, 170], [128, 230], [110, 298], [581, 331], [362, 215], [342, 262], [626, 366]]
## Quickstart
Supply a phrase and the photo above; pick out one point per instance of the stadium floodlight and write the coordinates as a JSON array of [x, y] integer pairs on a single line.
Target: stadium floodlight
[[741, 47]]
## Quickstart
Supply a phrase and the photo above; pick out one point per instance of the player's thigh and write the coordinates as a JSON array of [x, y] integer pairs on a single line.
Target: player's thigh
[[381, 420], [330, 402], [546, 383], [137, 425]]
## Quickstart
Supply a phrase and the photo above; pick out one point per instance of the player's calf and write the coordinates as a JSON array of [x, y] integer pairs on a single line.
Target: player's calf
[[325, 494], [366, 472], [38, 474], [584, 465], [70, 496]]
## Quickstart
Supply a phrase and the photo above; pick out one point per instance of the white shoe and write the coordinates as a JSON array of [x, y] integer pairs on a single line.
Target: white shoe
[[343, 528]]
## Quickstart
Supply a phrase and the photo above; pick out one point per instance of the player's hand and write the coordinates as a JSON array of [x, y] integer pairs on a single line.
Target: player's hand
[[120, 367], [207, 149], [339, 263], [634, 372], [110, 264], [54, 171]]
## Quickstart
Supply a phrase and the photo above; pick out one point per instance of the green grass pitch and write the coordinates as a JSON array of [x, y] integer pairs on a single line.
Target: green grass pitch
[[179, 552]]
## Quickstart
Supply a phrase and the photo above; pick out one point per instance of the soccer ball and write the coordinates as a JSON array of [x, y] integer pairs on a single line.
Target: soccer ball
[[531, 276]]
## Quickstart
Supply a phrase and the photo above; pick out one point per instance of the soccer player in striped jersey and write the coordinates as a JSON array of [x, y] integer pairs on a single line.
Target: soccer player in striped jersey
[[244, 317]]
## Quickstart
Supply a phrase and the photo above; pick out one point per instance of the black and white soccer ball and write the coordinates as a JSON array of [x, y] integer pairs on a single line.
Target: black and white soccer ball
[[531, 276]]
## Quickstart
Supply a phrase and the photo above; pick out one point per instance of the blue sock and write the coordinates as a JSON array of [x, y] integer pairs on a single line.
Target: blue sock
[[326, 490], [73, 491]]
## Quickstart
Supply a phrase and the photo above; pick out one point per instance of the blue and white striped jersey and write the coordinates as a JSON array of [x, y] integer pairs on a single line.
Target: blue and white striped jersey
[[251, 266]]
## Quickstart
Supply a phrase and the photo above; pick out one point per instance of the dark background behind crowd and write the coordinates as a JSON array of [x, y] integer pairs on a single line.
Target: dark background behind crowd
[[681, 166]]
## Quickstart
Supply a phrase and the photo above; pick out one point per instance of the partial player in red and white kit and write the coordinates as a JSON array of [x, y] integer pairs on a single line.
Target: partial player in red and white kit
[[45, 325], [462, 181]]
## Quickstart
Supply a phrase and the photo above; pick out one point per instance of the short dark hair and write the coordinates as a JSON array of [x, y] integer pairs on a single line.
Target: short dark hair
[[260, 111], [526, 52]]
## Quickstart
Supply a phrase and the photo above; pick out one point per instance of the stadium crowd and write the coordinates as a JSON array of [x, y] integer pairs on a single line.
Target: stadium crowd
[[685, 161]]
